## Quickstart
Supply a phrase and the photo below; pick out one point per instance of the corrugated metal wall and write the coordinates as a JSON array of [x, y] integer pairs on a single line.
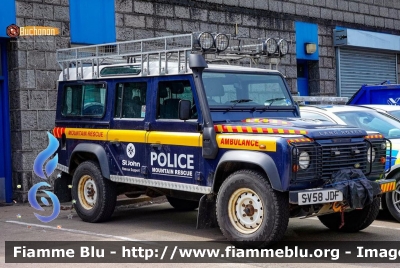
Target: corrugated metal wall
[[357, 67]]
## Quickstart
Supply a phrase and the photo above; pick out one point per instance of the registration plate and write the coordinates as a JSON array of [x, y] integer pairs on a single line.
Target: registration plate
[[319, 196]]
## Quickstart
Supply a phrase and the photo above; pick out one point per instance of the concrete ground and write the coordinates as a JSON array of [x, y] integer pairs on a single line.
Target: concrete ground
[[160, 222]]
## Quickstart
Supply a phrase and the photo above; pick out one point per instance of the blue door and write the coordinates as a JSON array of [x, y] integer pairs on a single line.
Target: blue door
[[302, 78], [5, 150]]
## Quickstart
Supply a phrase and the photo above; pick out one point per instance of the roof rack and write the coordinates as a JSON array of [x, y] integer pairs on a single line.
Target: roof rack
[[302, 100], [176, 48]]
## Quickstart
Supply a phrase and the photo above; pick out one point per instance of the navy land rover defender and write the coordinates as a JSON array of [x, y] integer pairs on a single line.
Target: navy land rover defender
[[157, 117]]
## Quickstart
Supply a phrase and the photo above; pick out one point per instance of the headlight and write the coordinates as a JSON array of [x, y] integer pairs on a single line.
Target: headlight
[[206, 40], [270, 46], [304, 160], [371, 154]]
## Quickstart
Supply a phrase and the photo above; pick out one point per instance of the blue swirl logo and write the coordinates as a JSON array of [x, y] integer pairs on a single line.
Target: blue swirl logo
[[43, 156], [43, 170], [32, 200]]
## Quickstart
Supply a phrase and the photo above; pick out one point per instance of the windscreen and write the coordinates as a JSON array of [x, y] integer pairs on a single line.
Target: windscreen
[[395, 113], [372, 121], [240, 90]]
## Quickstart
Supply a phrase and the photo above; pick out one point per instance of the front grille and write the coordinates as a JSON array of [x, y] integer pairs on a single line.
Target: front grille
[[339, 156], [327, 159]]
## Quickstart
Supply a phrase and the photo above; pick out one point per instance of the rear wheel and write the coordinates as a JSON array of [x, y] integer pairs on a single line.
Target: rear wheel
[[95, 196], [249, 212], [182, 204], [354, 221], [393, 199]]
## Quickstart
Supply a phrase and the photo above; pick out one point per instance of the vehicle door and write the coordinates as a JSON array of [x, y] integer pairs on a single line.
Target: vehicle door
[[174, 145], [127, 134]]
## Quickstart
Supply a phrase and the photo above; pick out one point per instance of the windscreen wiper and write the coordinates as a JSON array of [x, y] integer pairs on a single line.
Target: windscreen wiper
[[273, 100], [235, 102]]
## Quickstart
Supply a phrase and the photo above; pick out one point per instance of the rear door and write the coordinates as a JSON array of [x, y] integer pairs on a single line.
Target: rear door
[[127, 134]]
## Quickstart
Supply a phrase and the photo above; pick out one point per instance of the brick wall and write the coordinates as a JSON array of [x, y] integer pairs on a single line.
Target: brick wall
[[33, 72]]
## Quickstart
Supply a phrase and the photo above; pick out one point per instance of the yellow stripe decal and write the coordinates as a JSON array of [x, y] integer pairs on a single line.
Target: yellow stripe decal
[[246, 142], [127, 135], [86, 134], [229, 141], [175, 138]]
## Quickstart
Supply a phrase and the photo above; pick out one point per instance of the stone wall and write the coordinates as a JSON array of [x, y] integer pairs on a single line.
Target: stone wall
[[261, 18], [33, 72], [142, 19]]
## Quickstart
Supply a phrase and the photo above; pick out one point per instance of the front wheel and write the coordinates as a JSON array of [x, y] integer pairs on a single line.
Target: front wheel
[[393, 199], [354, 221], [249, 212], [95, 196]]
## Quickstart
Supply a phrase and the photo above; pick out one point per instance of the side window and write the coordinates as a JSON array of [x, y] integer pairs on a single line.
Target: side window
[[170, 93], [130, 100], [84, 100]]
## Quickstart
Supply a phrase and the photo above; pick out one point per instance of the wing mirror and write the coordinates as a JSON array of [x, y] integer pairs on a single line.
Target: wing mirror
[[184, 109]]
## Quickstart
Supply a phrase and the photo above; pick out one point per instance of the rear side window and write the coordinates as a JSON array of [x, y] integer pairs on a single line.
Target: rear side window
[[84, 100]]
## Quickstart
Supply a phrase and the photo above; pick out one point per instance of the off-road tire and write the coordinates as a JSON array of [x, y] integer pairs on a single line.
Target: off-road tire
[[273, 209], [106, 193], [182, 204], [354, 221], [391, 197]]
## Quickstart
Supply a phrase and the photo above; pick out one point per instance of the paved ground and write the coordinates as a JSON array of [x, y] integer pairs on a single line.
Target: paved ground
[[160, 222]]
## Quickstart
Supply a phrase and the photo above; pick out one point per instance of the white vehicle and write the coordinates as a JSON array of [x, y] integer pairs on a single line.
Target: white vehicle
[[369, 120], [393, 110]]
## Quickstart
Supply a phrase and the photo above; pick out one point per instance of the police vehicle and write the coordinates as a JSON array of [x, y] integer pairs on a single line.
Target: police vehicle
[[163, 116]]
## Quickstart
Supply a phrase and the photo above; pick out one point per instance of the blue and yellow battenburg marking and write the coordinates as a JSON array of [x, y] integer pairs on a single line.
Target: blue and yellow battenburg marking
[[260, 130], [388, 187]]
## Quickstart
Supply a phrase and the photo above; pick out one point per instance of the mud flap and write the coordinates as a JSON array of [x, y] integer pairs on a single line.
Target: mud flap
[[206, 216], [357, 190], [61, 187]]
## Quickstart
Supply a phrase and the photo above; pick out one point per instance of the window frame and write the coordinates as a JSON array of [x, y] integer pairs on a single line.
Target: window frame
[[175, 79], [119, 117]]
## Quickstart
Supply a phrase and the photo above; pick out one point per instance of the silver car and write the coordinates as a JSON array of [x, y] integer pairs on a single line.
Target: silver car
[[369, 120]]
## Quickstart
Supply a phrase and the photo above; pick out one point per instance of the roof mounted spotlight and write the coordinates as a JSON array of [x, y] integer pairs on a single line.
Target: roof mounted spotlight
[[270, 46], [205, 40], [283, 47], [221, 42]]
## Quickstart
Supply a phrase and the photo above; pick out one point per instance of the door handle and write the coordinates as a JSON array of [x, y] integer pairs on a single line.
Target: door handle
[[156, 145], [115, 142]]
